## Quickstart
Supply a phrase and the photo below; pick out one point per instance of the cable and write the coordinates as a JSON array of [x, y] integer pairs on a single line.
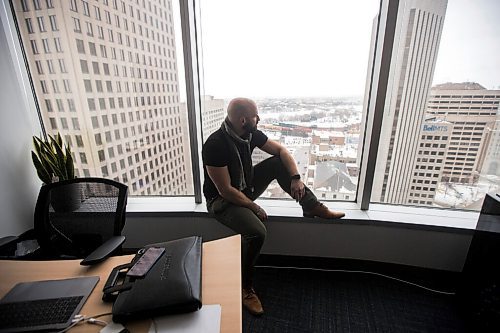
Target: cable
[[363, 272], [79, 318], [102, 315], [97, 322]]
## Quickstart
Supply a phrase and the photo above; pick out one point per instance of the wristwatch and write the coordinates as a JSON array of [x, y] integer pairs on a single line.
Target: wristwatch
[[297, 176]]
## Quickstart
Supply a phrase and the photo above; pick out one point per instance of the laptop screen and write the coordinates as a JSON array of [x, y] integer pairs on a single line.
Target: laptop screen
[[44, 305]]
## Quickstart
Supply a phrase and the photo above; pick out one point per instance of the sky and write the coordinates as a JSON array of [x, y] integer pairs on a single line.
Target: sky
[[290, 48], [470, 43]]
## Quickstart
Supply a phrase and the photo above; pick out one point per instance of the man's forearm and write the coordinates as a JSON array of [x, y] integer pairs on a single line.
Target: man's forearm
[[238, 198], [288, 162]]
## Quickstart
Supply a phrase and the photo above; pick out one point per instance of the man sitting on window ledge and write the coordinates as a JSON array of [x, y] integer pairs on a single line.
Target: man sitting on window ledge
[[232, 184]]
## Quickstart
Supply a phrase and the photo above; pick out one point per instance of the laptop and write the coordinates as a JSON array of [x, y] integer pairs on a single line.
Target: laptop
[[44, 305]]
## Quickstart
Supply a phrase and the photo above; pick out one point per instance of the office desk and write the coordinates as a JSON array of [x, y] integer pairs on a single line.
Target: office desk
[[221, 282]]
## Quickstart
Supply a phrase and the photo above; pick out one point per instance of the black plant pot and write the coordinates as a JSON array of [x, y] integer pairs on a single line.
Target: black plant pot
[[66, 198]]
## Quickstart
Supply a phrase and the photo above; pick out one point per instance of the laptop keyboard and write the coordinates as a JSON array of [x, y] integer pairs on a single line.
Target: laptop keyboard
[[39, 312]]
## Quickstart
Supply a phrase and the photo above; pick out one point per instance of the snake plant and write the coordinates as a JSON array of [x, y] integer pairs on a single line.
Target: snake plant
[[53, 161]]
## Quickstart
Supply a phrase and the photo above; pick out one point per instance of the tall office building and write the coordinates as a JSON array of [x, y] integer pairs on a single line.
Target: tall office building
[[105, 75], [434, 141], [416, 43], [473, 112], [213, 114]]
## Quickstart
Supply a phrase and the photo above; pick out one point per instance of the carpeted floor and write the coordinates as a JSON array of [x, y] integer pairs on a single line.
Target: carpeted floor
[[314, 301]]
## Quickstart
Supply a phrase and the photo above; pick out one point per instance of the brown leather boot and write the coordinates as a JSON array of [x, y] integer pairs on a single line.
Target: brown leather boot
[[322, 211], [252, 302]]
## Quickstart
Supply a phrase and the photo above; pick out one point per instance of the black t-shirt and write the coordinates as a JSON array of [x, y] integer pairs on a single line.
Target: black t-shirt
[[215, 152]]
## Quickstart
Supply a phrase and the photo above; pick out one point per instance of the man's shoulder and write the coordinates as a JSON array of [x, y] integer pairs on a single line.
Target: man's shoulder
[[217, 135], [259, 138], [214, 139]]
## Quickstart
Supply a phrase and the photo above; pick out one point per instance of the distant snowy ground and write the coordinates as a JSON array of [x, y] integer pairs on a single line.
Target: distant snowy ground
[[462, 196]]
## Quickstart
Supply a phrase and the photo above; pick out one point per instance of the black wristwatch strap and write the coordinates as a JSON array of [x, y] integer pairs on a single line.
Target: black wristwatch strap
[[297, 176]]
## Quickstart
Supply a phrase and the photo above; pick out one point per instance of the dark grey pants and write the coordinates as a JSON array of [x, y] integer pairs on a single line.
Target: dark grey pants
[[243, 221]]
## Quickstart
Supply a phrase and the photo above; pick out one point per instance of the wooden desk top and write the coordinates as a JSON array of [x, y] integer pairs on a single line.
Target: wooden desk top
[[221, 282]]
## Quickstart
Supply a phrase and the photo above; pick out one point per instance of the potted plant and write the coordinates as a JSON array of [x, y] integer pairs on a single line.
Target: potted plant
[[53, 162]]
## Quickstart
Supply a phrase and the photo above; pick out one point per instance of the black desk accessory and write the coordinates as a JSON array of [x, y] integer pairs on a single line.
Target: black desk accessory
[[479, 290], [171, 283]]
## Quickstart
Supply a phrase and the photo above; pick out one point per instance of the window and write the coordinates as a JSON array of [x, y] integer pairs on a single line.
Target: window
[[24, 5], [48, 105], [67, 86], [91, 104], [71, 105], [135, 102], [76, 25], [41, 25], [90, 31], [80, 46], [92, 49], [100, 32], [60, 105], [95, 66], [429, 37], [39, 67], [73, 6], [97, 13], [88, 86], [50, 66], [307, 122], [53, 123], [57, 43], [53, 22], [86, 11], [34, 46], [29, 26], [84, 66]]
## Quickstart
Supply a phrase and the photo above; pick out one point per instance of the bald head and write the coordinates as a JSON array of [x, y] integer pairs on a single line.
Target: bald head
[[240, 107], [243, 115]]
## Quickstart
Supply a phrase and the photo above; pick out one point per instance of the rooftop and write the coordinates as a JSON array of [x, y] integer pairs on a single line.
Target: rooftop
[[459, 86]]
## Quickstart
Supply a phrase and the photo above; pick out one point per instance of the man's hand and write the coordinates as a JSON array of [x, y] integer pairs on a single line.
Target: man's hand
[[297, 189], [261, 213]]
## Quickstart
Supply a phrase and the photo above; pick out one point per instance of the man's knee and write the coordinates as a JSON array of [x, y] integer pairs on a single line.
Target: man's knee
[[256, 235]]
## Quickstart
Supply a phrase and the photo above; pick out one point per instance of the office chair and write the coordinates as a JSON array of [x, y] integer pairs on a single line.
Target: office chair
[[80, 218]]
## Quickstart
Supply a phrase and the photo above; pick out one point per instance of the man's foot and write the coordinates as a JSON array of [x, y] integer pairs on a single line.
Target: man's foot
[[322, 211], [251, 302]]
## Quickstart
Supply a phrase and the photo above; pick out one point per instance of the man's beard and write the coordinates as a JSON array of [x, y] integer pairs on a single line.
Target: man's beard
[[249, 128]]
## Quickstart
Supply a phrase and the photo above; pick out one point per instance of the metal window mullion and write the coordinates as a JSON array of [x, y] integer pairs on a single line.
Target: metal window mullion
[[193, 100], [377, 95]]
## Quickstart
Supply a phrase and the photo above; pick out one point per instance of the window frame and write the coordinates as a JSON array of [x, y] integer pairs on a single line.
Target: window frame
[[378, 86]]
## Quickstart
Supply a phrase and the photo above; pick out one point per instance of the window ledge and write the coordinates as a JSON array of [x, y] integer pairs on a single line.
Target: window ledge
[[289, 208]]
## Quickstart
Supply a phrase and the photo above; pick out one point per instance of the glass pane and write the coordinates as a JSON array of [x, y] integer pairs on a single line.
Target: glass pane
[[305, 66], [106, 75], [440, 138]]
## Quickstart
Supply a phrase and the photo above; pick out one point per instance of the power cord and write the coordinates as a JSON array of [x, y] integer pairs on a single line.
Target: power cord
[[362, 272], [79, 318]]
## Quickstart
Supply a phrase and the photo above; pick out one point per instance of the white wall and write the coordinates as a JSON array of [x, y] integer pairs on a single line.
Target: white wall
[[18, 182]]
